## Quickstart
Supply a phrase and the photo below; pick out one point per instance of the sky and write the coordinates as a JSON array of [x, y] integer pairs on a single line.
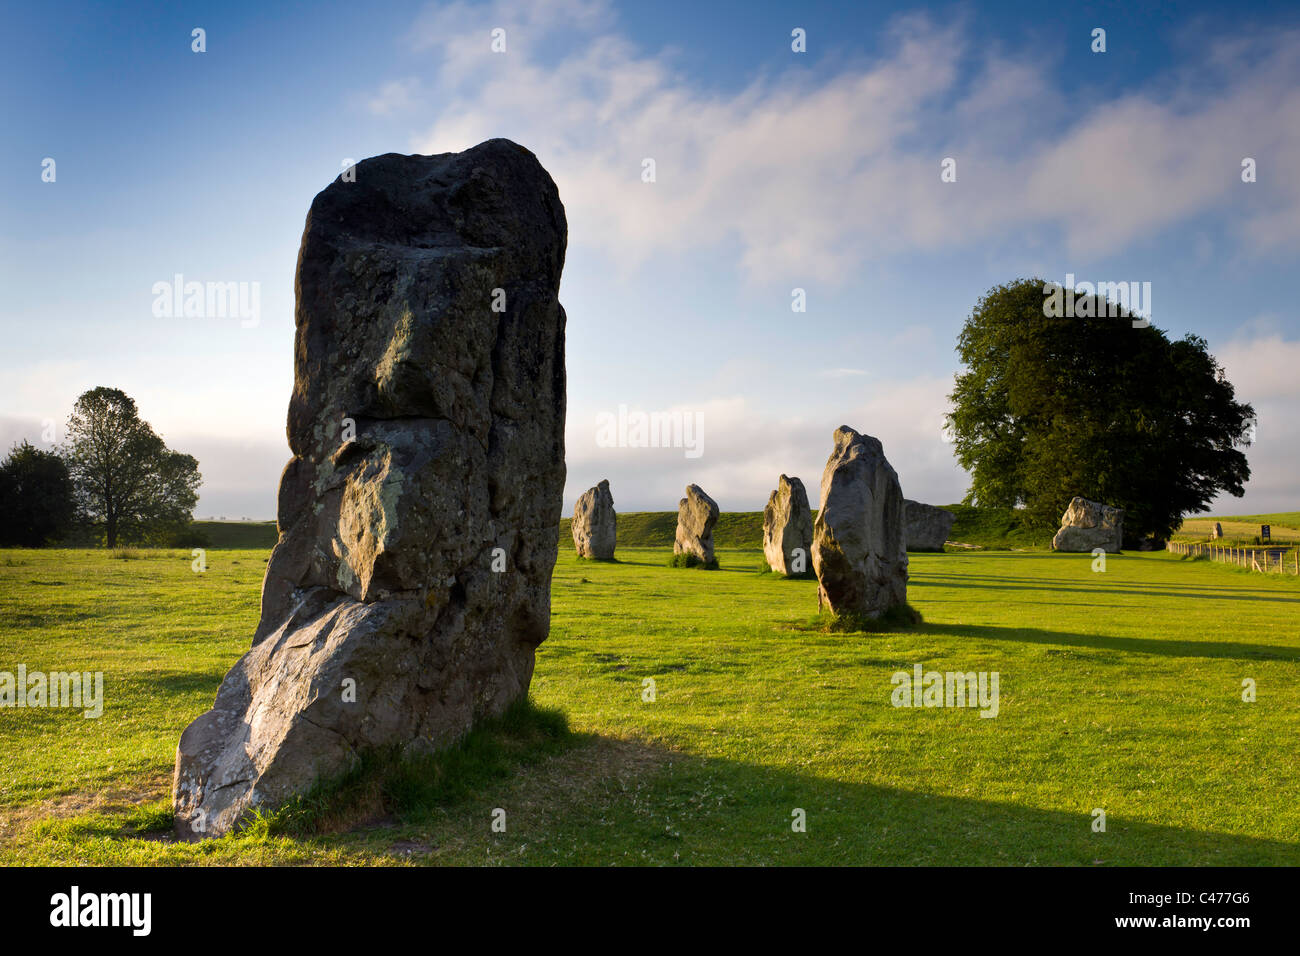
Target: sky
[[774, 171]]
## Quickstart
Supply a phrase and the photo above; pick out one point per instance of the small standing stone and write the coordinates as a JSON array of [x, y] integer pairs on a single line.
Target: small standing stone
[[697, 513], [595, 524], [927, 526], [788, 528]]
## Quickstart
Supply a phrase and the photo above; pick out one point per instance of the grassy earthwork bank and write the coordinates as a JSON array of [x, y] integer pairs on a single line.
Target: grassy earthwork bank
[[975, 527], [1120, 690]]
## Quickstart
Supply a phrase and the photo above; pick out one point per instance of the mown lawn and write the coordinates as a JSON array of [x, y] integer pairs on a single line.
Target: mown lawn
[[1119, 691]]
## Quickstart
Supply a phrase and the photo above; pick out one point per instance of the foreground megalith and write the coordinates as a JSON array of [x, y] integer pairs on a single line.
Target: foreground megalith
[[788, 528], [697, 513], [859, 543], [1089, 525], [927, 526], [595, 524], [419, 514]]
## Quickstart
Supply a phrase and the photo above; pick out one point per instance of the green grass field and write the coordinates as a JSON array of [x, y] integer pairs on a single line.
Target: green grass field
[[1119, 690], [1240, 530]]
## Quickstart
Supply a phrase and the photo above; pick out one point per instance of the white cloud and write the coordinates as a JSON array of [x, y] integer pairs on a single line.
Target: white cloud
[[814, 174], [746, 448], [398, 96], [1263, 372]]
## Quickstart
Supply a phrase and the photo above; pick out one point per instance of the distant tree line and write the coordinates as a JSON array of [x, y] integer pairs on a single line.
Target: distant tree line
[[1046, 408], [113, 481]]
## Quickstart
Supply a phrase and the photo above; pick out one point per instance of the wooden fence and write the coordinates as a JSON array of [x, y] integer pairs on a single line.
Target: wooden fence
[[1266, 560]]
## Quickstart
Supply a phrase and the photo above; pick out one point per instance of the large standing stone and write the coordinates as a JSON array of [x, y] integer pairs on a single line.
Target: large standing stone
[[1217, 530], [1088, 525], [859, 543], [419, 514], [595, 525], [697, 513], [927, 526], [788, 528]]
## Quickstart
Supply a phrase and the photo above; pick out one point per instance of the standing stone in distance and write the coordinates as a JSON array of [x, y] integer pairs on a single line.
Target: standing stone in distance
[[1218, 530], [595, 525], [697, 513], [927, 526], [859, 542], [1088, 525], [419, 514], [788, 528]]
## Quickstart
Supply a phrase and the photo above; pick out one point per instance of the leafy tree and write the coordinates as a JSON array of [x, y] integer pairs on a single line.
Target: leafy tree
[[128, 483], [36, 497], [1049, 408]]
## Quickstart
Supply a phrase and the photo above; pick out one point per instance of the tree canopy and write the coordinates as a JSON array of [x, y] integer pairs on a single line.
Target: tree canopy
[[1049, 408], [129, 484], [36, 497]]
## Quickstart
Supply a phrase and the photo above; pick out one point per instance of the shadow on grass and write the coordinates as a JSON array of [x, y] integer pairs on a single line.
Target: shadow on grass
[[868, 824], [624, 562], [999, 583], [1167, 647], [578, 799], [184, 682], [601, 800]]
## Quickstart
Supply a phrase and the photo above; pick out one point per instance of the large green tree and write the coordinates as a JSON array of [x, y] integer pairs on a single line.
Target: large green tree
[[1048, 408], [36, 498], [129, 484]]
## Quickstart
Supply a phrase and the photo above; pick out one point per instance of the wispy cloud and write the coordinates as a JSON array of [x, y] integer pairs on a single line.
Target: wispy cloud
[[399, 96], [814, 174], [746, 448]]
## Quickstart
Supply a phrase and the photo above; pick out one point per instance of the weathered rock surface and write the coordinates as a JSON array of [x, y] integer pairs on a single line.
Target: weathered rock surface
[[859, 541], [788, 528], [595, 525], [411, 582], [1088, 525], [697, 513], [1217, 531], [927, 526]]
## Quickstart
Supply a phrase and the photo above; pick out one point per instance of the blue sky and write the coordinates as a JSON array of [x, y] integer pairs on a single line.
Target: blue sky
[[774, 170]]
